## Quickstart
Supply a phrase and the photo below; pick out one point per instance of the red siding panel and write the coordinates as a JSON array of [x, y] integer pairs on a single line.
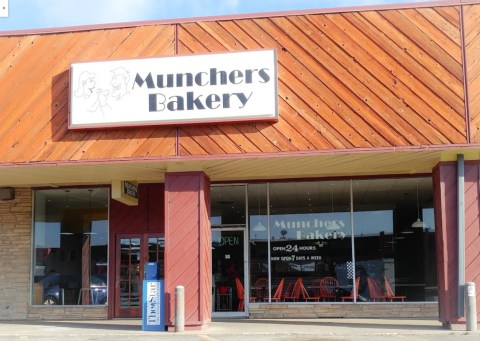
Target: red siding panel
[[445, 180], [472, 226], [187, 247], [205, 255], [446, 238], [146, 217]]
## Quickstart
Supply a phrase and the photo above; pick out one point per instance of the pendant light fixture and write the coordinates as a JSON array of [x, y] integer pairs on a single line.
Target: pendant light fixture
[[331, 194], [65, 230], [90, 223], [333, 225], [418, 223], [259, 227]]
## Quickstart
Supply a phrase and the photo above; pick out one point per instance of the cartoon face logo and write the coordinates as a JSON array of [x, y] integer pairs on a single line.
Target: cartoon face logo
[[86, 84], [119, 82], [105, 97]]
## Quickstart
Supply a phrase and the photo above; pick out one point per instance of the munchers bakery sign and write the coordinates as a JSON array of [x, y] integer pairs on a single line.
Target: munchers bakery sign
[[224, 87]]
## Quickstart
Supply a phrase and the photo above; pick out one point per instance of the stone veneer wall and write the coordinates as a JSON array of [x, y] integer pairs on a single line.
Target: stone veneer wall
[[67, 313], [15, 256], [15, 265], [347, 310]]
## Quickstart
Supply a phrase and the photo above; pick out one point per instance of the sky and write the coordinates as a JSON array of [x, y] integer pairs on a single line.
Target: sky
[[37, 14]]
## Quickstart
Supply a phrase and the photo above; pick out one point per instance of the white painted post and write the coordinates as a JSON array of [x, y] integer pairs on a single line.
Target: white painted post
[[471, 306], [179, 308]]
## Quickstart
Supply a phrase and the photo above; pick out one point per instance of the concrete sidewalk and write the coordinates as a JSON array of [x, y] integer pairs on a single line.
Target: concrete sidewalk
[[238, 329]]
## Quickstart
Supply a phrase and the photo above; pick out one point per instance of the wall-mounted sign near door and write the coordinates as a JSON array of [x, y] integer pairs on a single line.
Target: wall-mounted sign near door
[[125, 192]]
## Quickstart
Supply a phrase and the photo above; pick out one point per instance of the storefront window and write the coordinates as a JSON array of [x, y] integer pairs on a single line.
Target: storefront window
[[395, 258], [310, 236], [302, 245], [228, 221], [70, 246], [258, 223]]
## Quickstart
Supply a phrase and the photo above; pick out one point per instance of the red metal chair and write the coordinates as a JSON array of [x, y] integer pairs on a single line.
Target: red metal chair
[[277, 296], [288, 290], [316, 295], [350, 297], [328, 289], [240, 294], [294, 295], [390, 295], [306, 296], [259, 292], [376, 294]]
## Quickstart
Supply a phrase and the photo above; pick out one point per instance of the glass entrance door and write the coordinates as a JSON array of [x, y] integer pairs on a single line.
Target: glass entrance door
[[133, 251], [229, 255], [228, 274], [129, 277]]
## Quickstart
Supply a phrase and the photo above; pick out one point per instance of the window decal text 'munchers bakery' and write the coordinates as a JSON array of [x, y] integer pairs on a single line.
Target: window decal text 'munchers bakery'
[[236, 86]]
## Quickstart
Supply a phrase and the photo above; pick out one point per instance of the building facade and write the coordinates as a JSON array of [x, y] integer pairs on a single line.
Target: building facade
[[311, 164]]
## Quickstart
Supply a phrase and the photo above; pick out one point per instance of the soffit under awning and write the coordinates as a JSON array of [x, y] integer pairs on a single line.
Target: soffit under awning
[[235, 167]]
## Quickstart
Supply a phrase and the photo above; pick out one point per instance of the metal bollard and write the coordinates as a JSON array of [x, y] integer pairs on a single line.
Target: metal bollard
[[179, 308], [471, 306]]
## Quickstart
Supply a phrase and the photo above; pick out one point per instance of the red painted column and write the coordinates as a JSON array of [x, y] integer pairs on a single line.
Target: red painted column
[[445, 198], [446, 234], [188, 246]]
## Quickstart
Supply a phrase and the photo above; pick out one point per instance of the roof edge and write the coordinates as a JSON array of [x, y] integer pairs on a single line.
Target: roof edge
[[406, 5]]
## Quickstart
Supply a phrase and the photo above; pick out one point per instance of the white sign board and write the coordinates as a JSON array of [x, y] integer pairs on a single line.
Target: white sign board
[[3, 8], [223, 87]]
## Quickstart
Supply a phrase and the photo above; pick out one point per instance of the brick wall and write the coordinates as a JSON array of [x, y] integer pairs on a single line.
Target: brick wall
[[67, 313], [15, 255], [15, 265], [347, 310]]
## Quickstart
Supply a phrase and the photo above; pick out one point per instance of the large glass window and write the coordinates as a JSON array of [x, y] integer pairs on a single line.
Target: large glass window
[[258, 224], [70, 246], [310, 235], [394, 239], [358, 241], [228, 250]]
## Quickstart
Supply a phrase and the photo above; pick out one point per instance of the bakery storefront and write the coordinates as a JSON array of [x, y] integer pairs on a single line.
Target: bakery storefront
[[307, 242], [303, 164]]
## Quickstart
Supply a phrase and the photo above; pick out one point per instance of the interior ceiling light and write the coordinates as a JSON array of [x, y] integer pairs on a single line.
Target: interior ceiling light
[[418, 223], [259, 227]]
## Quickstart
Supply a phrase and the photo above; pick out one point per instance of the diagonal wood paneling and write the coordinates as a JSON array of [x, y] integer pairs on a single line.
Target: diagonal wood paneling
[[34, 83], [205, 254], [472, 224], [147, 216], [187, 253], [368, 79], [472, 56], [445, 180], [351, 80]]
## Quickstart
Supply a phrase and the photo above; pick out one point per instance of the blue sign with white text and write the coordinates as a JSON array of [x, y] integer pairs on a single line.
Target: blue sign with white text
[[153, 314]]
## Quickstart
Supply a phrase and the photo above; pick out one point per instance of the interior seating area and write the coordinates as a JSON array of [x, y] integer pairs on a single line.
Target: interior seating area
[[326, 289]]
